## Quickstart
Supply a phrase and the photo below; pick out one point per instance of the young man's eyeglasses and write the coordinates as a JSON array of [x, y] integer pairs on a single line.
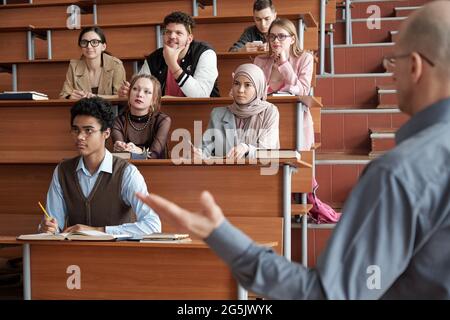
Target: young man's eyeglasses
[[389, 61], [94, 43], [280, 36], [87, 132], [168, 32]]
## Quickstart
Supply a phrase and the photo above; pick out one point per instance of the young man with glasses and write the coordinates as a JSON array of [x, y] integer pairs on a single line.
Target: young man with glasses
[[263, 14], [392, 241], [183, 66], [95, 191]]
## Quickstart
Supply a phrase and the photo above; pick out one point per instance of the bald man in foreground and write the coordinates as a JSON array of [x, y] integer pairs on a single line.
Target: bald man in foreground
[[393, 240]]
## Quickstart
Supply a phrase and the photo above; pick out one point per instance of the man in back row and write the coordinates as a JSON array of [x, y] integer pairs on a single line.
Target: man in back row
[[183, 66], [392, 241], [263, 14]]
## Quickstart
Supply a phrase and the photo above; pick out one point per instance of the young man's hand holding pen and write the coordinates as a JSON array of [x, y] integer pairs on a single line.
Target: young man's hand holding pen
[[48, 224]]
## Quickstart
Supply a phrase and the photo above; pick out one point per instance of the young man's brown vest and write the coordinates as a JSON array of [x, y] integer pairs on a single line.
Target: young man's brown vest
[[104, 205]]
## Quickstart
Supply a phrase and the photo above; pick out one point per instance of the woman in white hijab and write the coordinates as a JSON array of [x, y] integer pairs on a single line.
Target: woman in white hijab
[[250, 123]]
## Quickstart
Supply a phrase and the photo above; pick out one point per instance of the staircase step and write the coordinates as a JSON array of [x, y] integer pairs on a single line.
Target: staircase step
[[387, 97], [347, 130], [362, 34], [386, 8], [382, 140], [360, 58], [354, 90], [359, 10], [405, 11]]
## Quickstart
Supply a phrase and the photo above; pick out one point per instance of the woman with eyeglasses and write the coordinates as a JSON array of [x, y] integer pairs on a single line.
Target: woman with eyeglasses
[[288, 68], [142, 129], [96, 73]]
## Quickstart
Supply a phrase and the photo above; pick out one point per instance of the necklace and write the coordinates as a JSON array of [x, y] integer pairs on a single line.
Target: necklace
[[136, 128]]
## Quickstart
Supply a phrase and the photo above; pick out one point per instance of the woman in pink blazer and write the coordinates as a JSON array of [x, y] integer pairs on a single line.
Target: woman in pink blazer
[[288, 69]]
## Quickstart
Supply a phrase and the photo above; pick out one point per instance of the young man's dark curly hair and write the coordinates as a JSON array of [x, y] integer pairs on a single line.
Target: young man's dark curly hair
[[95, 107], [259, 5], [180, 18]]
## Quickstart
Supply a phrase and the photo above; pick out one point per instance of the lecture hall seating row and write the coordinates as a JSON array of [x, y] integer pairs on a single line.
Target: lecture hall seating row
[[44, 125], [30, 169], [131, 38], [27, 75], [44, 128]]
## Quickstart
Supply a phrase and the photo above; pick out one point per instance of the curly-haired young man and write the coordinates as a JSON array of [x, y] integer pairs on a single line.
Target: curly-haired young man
[[95, 191], [183, 66]]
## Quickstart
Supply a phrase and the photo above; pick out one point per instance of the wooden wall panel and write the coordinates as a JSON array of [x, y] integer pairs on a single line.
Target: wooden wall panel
[[140, 12]]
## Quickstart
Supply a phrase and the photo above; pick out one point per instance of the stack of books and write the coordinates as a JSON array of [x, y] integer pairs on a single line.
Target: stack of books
[[23, 95]]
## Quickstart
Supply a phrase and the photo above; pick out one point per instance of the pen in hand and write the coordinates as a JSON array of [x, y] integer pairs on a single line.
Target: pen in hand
[[45, 211], [49, 224]]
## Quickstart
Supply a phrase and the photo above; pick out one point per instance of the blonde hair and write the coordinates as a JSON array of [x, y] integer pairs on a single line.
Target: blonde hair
[[156, 94], [287, 25]]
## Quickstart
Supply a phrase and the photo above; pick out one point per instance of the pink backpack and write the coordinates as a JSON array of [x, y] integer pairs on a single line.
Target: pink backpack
[[321, 212]]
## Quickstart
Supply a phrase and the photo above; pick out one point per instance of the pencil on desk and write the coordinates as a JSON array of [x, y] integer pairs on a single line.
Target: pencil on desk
[[45, 211]]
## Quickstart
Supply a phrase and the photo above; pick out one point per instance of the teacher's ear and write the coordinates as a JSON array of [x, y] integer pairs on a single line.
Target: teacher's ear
[[107, 133]]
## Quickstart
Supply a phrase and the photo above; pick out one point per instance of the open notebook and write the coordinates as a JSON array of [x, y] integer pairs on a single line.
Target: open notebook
[[86, 235]]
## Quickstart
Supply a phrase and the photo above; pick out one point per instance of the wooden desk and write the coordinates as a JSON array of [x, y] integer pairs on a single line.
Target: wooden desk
[[27, 75], [184, 111], [54, 14], [46, 76], [125, 270], [108, 11], [229, 61], [25, 181], [44, 125], [125, 38]]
